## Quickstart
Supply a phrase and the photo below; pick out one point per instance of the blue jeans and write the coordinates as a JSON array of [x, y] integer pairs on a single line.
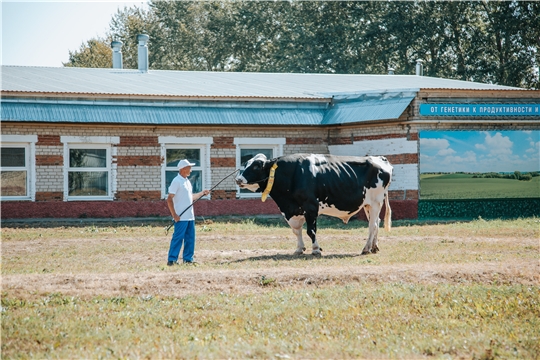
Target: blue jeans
[[184, 232]]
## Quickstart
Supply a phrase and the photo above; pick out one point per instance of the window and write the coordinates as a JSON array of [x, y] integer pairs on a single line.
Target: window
[[246, 148], [17, 165], [195, 150], [89, 173], [173, 156], [15, 171]]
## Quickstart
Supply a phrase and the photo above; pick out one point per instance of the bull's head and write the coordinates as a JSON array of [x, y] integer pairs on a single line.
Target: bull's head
[[255, 173]]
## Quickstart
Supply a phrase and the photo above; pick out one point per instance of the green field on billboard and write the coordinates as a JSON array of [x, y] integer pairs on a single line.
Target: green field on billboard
[[473, 186]]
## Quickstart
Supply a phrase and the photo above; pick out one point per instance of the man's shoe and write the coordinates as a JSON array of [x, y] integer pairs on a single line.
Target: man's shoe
[[194, 263], [171, 263]]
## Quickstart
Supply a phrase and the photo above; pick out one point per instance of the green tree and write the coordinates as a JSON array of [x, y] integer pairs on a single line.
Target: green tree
[[95, 53], [494, 42], [125, 25], [512, 39]]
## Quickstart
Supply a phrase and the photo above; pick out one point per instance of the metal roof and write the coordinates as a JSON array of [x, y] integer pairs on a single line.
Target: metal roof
[[158, 115], [369, 106], [209, 98], [343, 109], [68, 80]]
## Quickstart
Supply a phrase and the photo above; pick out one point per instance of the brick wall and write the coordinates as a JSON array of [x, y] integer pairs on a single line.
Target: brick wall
[[138, 164], [401, 209], [49, 196], [139, 178], [49, 168], [138, 161], [138, 195]]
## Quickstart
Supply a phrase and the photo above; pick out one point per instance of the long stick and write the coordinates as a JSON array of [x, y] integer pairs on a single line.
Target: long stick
[[186, 209]]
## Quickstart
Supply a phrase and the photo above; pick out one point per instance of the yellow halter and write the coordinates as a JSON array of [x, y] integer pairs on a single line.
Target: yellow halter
[[270, 183]]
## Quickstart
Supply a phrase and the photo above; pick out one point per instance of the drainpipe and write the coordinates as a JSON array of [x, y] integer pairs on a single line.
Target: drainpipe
[[117, 55], [419, 67], [143, 52]]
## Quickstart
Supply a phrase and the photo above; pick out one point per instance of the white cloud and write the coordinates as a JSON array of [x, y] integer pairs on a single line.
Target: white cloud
[[480, 147], [467, 162], [446, 152], [434, 144], [439, 146], [498, 145]]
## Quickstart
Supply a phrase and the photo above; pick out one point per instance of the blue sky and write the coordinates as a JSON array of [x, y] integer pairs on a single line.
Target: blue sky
[[41, 33], [479, 151]]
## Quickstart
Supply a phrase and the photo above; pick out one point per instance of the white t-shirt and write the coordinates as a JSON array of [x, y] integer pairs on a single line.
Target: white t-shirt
[[183, 197]]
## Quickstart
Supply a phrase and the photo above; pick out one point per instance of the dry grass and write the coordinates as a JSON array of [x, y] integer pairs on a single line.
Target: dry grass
[[468, 289]]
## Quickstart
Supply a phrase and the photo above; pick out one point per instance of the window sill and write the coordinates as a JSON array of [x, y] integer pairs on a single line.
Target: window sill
[[90, 198], [16, 198]]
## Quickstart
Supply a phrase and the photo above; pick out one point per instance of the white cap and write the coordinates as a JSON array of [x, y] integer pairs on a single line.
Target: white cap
[[183, 163]]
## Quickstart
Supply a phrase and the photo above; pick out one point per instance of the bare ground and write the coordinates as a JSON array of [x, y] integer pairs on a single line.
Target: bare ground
[[184, 283], [213, 276]]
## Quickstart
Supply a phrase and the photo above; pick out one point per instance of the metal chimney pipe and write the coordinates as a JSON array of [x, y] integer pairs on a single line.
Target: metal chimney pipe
[[390, 71], [117, 55], [419, 67], [143, 52]]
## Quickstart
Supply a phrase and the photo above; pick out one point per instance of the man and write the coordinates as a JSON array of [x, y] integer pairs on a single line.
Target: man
[[180, 198]]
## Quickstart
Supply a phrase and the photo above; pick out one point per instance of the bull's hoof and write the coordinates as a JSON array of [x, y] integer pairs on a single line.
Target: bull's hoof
[[366, 252], [375, 249], [299, 252], [316, 253]]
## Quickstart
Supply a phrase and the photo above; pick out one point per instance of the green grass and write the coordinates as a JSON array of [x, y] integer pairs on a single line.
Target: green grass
[[457, 315], [367, 320], [464, 186]]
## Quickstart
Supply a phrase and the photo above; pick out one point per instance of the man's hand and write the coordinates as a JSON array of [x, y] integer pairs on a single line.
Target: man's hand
[[199, 195]]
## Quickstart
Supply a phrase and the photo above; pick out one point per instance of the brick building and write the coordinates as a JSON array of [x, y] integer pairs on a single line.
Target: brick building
[[105, 142]]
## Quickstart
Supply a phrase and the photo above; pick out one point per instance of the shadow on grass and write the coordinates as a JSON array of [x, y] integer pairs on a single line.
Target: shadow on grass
[[292, 257]]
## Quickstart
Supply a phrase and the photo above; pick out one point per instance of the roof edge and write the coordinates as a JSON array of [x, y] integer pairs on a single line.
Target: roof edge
[[82, 95]]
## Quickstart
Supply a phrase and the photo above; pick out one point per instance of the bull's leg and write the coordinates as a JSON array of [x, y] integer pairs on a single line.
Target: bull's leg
[[311, 221], [296, 223], [371, 245], [375, 243], [367, 208], [374, 247]]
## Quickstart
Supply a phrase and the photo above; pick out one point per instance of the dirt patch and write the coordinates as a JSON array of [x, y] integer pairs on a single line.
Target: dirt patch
[[186, 280], [135, 265]]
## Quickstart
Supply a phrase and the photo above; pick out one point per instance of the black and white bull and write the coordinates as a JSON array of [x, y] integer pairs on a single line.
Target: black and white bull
[[307, 185]]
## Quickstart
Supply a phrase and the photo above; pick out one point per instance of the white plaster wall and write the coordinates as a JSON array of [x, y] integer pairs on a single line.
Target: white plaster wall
[[376, 147], [405, 177]]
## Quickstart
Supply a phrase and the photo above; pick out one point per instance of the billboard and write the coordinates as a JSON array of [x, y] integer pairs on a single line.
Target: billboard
[[479, 164]]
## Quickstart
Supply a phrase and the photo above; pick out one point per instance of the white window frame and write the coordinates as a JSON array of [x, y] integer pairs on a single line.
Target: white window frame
[[28, 142], [201, 143], [276, 144], [91, 142]]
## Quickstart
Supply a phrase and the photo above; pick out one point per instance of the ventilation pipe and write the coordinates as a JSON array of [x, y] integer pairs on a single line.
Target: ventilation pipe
[[143, 52], [117, 55], [390, 71], [419, 68]]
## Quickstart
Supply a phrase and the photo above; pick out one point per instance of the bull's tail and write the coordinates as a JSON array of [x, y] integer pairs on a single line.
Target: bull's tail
[[388, 214]]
